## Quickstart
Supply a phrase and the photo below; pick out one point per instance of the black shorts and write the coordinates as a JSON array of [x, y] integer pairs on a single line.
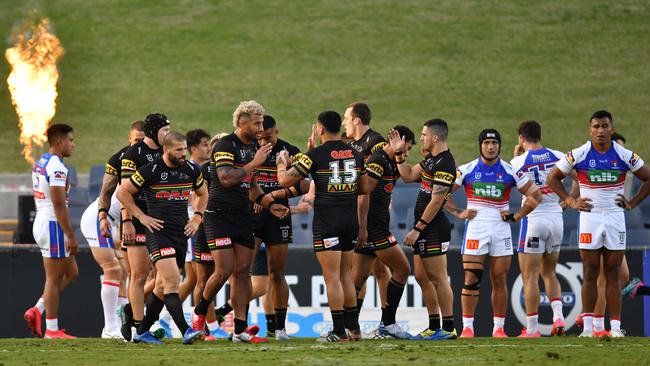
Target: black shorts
[[335, 228], [271, 229], [200, 251], [378, 239], [140, 234], [434, 239], [260, 264], [162, 244], [225, 227]]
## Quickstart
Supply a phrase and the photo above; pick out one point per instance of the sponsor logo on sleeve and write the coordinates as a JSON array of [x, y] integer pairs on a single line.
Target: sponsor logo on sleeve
[[375, 168], [59, 175], [128, 165], [137, 179], [443, 177], [634, 159], [303, 160], [222, 156], [570, 158], [378, 146], [110, 170]]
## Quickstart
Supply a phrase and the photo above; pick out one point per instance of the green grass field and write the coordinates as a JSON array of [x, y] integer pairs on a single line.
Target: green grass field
[[475, 63], [485, 351]]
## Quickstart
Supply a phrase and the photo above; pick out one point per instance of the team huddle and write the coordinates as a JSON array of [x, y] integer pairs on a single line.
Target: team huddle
[[225, 211]]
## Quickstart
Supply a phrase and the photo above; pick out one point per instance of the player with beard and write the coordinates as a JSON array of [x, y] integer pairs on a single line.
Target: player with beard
[[356, 121], [228, 219], [339, 174], [167, 183], [99, 226], [156, 127], [52, 231]]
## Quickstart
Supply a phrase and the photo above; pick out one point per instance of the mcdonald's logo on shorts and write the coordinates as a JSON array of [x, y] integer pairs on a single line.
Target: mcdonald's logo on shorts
[[585, 238], [472, 244]]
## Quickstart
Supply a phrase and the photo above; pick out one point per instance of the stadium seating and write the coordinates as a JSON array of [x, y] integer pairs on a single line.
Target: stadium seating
[[95, 180]]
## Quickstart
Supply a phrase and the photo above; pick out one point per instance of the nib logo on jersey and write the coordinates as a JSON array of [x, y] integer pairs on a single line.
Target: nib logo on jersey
[[603, 176], [488, 190]]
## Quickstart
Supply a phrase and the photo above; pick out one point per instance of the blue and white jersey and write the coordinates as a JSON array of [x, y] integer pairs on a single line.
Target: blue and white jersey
[[488, 187], [601, 176], [536, 164], [48, 171]]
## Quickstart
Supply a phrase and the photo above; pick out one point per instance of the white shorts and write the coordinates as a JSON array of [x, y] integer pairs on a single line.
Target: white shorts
[[541, 234], [90, 228], [602, 229], [189, 256], [49, 237], [487, 237]]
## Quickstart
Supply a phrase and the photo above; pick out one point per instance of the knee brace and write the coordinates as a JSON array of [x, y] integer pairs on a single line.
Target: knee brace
[[478, 273]]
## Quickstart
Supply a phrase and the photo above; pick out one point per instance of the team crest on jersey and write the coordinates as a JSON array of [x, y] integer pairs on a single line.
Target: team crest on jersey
[[499, 176], [592, 163], [621, 237], [149, 157], [477, 175], [163, 176]]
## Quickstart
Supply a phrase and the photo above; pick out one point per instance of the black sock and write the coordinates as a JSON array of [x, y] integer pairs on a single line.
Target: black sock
[[339, 323], [154, 307], [128, 310], [351, 318], [202, 307], [248, 306], [223, 310], [240, 326], [359, 299], [393, 297], [280, 318], [448, 323], [434, 321], [175, 308], [138, 325], [270, 323], [643, 291]]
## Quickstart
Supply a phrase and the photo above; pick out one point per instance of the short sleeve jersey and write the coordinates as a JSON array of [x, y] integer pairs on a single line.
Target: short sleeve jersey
[[335, 168], [267, 174], [48, 172], [536, 164], [370, 142], [601, 175], [436, 170], [167, 191], [231, 152], [380, 167], [488, 187], [133, 159], [114, 164]]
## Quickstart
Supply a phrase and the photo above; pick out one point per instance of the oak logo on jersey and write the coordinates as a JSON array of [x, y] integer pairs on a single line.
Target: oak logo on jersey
[[174, 195], [341, 154], [603, 176], [488, 190], [443, 177]]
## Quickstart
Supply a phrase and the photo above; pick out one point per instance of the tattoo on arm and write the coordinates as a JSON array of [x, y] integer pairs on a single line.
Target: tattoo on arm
[[294, 173], [229, 176], [108, 187], [439, 190]]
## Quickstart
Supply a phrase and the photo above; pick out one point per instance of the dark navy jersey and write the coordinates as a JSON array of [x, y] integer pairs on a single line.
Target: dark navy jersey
[[267, 174], [114, 164], [231, 152], [167, 191], [436, 170], [335, 168], [380, 167]]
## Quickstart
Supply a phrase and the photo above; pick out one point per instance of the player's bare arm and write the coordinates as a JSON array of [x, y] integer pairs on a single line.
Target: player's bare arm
[[643, 174], [554, 181], [533, 198], [258, 196], [452, 207], [125, 196], [231, 176], [438, 195], [109, 183], [286, 177], [63, 217], [199, 203]]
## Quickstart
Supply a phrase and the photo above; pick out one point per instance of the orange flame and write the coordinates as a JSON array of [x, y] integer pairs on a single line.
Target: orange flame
[[32, 82]]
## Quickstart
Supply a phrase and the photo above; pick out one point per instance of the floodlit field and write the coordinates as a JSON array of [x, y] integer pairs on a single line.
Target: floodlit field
[[475, 63], [482, 351]]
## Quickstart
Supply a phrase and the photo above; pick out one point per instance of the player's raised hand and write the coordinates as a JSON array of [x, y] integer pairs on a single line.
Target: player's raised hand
[[261, 154], [282, 159], [396, 142], [311, 141], [518, 150], [71, 245], [151, 223], [279, 211]]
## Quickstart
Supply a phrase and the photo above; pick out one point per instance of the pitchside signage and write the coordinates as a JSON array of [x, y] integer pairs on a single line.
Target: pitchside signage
[[81, 311]]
